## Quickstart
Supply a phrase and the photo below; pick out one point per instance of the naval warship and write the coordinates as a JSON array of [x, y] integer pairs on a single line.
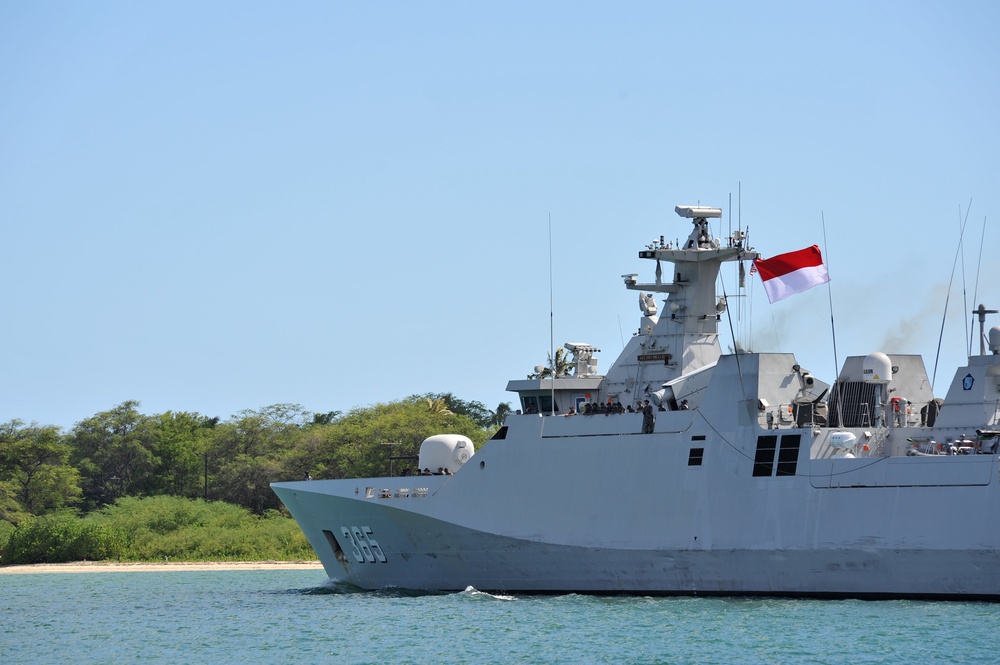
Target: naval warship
[[751, 477]]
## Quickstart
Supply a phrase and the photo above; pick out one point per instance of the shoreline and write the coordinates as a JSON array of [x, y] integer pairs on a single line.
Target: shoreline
[[147, 567]]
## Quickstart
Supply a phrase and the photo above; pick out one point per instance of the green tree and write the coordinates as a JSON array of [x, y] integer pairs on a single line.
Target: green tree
[[563, 366], [438, 406], [6, 529], [247, 454], [34, 470], [113, 451], [179, 443], [475, 410], [324, 418], [305, 456], [500, 414], [355, 444], [11, 510]]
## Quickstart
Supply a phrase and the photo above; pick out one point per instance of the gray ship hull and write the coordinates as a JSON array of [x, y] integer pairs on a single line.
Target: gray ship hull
[[427, 553], [569, 522]]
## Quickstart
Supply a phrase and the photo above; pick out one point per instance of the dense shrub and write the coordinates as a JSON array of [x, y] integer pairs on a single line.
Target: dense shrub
[[6, 528], [195, 530], [62, 537], [156, 528]]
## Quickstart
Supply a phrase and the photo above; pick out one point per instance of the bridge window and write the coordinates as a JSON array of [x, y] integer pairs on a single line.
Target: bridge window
[[763, 461], [537, 404], [788, 456]]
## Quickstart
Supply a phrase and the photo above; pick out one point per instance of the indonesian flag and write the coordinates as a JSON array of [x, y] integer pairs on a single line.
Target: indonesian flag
[[791, 273]]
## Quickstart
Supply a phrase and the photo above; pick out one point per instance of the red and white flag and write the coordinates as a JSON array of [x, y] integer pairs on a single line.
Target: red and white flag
[[791, 273]]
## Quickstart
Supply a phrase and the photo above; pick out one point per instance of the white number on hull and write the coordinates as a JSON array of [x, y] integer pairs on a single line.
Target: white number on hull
[[365, 548]]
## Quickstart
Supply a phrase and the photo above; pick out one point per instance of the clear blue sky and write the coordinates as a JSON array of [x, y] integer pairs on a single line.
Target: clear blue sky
[[219, 206]]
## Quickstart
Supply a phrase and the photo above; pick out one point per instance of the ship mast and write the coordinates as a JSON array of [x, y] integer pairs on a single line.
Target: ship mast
[[684, 337]]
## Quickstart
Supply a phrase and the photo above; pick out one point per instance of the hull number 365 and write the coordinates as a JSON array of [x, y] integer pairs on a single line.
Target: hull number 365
[[365, 549]]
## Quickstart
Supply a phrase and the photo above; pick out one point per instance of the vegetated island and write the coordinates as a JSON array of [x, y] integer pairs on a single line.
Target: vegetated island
[[181, 489], [145, 567]]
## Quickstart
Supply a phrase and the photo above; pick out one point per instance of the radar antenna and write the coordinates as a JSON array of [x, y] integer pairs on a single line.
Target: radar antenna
[[982, 312]]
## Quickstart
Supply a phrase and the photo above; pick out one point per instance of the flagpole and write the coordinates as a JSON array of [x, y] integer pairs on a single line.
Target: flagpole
[[833, 330], [732, 332], [552, 338]]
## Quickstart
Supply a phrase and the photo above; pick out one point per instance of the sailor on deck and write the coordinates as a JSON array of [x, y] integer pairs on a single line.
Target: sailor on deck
[[648, 419]]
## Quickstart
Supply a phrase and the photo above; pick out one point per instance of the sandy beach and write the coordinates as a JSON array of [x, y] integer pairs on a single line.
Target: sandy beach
[[116, 567]]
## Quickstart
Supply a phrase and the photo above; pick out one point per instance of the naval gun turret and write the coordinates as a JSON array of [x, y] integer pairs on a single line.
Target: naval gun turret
[[445, 453]]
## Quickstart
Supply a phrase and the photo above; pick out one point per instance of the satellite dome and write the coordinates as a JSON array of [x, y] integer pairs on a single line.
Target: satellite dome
[[876, 368], [995, 339]]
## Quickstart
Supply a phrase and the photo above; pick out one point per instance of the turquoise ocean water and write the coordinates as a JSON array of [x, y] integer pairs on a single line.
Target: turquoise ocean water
[[299, 617]]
